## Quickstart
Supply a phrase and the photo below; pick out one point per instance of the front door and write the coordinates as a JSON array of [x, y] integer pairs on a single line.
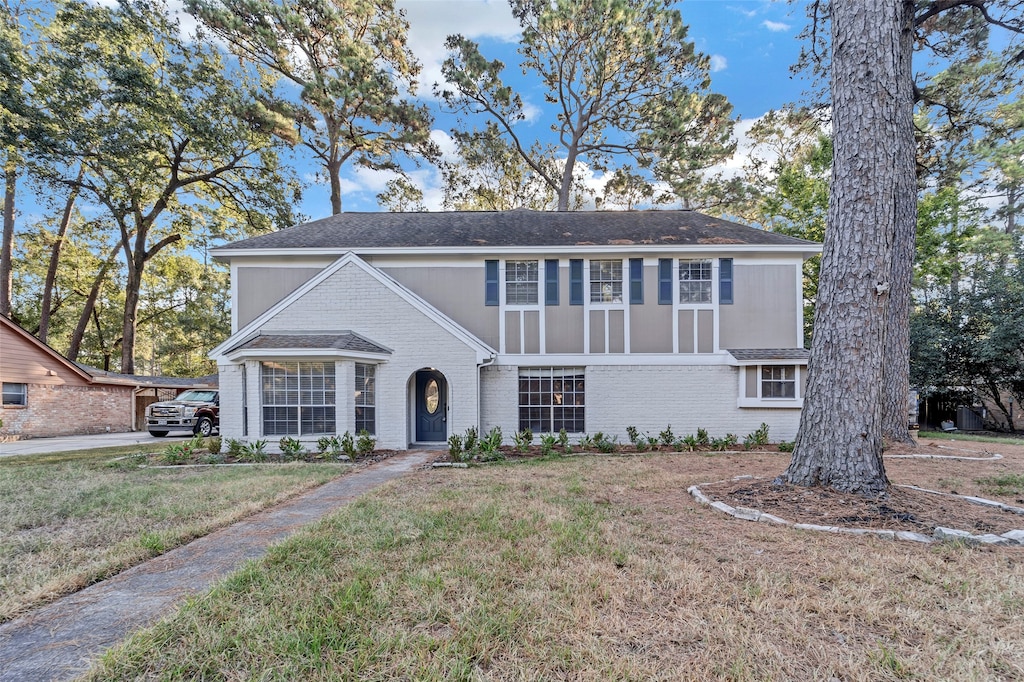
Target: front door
[[431, 407]]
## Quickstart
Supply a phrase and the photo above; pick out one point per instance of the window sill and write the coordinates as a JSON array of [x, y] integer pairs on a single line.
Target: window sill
[[774, 403]]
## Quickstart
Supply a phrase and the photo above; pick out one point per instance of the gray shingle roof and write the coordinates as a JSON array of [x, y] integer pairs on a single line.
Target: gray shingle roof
[[750, 354], [514, 228], [337, 341]]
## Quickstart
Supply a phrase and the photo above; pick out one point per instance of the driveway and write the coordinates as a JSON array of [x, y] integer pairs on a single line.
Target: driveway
[[40, 446]]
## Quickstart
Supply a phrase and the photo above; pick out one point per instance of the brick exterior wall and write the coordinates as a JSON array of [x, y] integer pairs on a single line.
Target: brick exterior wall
[[649, 397], [63, 410], [352, 300]]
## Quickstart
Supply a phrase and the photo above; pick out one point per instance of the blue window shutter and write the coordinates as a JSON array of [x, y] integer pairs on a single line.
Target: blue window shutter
[[664, 281], [576, 281], [636, 280], [490, 282], [725, 280], [551, 282]]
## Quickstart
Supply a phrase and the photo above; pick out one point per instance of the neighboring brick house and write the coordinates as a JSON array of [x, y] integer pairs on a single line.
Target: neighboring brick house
[[45, 394], [417, 326]]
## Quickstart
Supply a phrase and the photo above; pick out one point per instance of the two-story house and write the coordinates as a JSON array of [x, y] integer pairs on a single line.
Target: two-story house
[[416, 326]]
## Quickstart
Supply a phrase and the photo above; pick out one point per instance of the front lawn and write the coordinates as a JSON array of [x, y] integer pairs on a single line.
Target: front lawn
[[70, 519], [596, 568]]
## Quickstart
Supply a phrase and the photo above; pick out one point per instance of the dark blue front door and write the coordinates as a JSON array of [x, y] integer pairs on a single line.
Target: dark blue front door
[[431, 407]]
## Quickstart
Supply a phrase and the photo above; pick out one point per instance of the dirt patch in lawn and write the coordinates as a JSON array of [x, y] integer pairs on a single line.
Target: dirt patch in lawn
[[901, 508]]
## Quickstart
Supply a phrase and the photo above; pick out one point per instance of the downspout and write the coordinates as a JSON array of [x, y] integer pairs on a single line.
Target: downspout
[[479, 392]]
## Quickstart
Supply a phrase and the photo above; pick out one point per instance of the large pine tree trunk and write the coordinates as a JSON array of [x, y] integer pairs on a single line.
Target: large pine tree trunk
[[51, 271], [7, 244], [839, 443]]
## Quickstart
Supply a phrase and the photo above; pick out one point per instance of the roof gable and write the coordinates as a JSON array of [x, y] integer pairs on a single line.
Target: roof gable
[[251, 331], [44, 349]]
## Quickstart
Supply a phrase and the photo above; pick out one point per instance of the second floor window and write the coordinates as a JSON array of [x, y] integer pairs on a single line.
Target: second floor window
[[695, 281], [606, 281], [521, 282]]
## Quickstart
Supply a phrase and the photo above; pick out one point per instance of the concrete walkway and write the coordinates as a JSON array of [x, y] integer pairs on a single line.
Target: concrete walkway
[[58, 641]]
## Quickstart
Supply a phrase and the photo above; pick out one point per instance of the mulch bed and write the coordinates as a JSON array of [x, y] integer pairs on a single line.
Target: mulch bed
[[900, 509]]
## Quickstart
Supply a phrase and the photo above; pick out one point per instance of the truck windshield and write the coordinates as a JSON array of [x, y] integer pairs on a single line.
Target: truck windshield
[[198, 396]]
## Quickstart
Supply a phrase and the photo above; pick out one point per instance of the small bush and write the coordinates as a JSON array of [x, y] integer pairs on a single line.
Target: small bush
[[177, 453], [667, 437], [605, 444], [702, 437], [563, 440], [365, 443], [758, 437], [236, 448], [786, 446], [726, 442], [291, 448], [213, 444], [212, 458], [688, 443], [633, 434], [255, 451], [586, 442], [348, 445], [522, 440], [455, 450], [547, 444], [472, 440]]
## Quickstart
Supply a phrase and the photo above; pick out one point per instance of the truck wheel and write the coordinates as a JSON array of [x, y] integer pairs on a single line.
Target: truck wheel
[[158, 434], [204, 427]]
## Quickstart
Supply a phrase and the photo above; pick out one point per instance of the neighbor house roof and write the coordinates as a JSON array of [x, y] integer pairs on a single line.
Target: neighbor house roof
[[518, 228]]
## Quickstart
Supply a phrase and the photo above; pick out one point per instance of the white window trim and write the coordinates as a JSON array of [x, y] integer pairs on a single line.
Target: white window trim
[[759, 401]]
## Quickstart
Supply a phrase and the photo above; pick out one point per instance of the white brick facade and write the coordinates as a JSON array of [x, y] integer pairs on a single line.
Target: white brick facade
[[649, 397]]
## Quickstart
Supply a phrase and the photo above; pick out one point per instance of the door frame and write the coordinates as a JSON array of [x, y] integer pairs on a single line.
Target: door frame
[[419, 402]]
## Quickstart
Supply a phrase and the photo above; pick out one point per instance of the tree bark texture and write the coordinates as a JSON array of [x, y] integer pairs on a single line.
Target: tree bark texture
[[896, 386], [839, 443], [7, 245]]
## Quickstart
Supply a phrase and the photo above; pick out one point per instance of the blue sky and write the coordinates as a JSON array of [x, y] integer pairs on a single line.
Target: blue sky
[[752, 44]]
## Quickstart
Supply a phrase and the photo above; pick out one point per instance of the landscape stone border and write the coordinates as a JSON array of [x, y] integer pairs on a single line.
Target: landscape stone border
[[1010, 538]]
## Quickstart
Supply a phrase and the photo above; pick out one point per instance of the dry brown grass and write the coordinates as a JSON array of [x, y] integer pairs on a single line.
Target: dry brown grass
[[597, 568], [67, 522]]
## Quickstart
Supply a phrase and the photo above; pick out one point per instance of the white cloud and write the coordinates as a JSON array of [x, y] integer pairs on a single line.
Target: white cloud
[[775, 26], [718, 63], [432, 21]]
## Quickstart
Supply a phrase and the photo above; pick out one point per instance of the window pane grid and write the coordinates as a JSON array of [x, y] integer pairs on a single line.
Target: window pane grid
[[521, 282], [694, 281], [15, 394], [366, 379], [298, 398], [606, 281], [552, 399], [778, 381]]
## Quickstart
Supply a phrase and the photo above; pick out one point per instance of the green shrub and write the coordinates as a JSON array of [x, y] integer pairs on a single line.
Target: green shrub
[[455, 450], [667, 437], [177, 453], [633, 434], [688, 443], [702, 437], [547, 444], [213, 444], [786, 446], [758, 437], [586, 443], [472, 440], [291, 448], [255, 451], [523, 440], [236, 448], [490, 445], [348, 445], [212, 458], [605, 444], [563, 440], [365, 443]]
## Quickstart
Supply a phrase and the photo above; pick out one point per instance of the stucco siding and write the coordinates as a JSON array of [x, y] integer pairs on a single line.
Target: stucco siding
[[764, 314], [259, 288]]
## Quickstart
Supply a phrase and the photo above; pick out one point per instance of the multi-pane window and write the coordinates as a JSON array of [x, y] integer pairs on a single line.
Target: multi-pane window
[[15, 394], [551, 399], [521, 280], [366, 411], [298, 398], [606, 281], [778, 381], [694, 281]]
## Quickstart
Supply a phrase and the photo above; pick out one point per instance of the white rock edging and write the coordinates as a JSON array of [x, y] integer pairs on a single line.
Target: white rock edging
[[1013, 538]]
